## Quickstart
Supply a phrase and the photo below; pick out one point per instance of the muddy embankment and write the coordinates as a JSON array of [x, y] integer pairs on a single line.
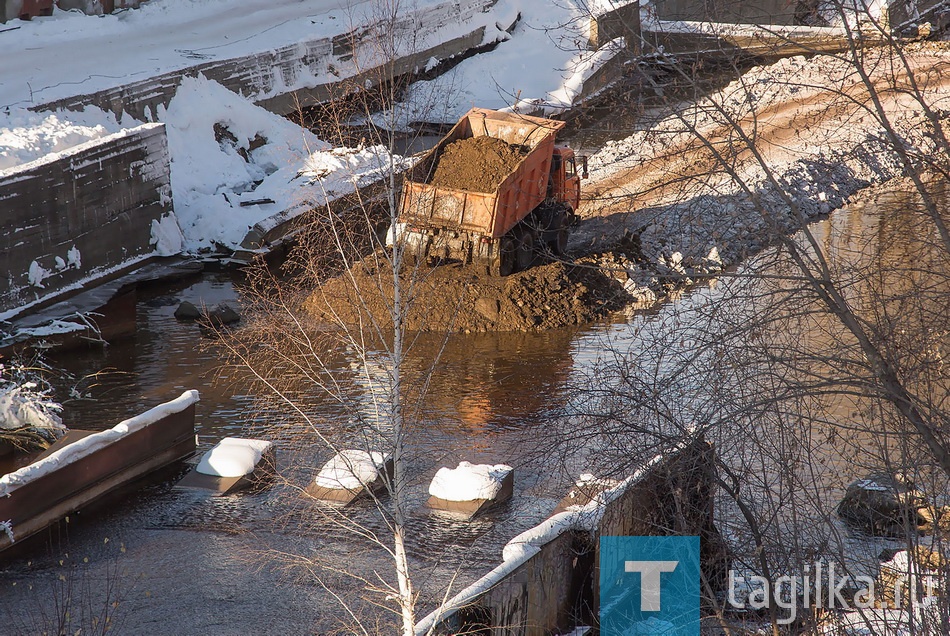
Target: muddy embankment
[[465, 298], [677, 202]]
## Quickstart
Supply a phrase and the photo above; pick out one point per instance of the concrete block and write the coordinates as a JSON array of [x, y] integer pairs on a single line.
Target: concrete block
[[81, 213]]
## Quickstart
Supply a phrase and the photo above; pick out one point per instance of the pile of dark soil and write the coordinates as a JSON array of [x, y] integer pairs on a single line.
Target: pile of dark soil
[[462, 298], [479, 164]]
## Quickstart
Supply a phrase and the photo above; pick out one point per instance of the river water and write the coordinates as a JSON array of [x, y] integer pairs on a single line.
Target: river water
[[166, 561], [178, 562]]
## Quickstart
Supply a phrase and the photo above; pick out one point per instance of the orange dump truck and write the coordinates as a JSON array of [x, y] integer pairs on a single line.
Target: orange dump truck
[[527, 214]]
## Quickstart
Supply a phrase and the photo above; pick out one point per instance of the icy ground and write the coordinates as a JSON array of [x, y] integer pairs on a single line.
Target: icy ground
[[71, 53]]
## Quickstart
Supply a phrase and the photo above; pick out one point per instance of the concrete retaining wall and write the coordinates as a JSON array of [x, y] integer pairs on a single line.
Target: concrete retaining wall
[[760, 12], [556, 589], [621, 22], [10, 10], [81, 212], [268, 78]]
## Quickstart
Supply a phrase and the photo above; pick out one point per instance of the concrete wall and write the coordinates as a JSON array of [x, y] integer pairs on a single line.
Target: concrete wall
[[728, 11], [99, 198], [264, 77], [557, 589], [621, 22], [934, 11], [10, 10], [538, 597]]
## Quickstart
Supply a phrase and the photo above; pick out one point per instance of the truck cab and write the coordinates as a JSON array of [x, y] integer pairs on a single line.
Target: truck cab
[[565, 179]]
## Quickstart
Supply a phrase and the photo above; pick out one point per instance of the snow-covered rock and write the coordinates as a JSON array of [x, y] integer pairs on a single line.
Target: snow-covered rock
[[883, 504], [233, 457], [469, 482]]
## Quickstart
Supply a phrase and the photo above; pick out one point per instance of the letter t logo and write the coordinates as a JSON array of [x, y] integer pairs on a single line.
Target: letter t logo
[[650, 581]]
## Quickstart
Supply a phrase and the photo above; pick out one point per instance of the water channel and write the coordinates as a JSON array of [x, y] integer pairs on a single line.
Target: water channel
[[177, 562], [161, 560]]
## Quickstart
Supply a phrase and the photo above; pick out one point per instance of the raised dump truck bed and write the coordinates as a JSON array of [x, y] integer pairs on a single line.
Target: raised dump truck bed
[[501, 226]]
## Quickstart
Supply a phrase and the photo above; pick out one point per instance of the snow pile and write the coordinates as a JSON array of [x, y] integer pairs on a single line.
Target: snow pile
[[222, 145], [23, 405], [539, 69], [226, 151], [87, 445], [233, 457], [351, 469], [469, 482], [26, 136], [322, 177], [166, 236]]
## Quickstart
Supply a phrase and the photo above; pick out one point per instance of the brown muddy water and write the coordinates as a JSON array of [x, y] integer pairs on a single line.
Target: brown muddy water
[[161, 561]]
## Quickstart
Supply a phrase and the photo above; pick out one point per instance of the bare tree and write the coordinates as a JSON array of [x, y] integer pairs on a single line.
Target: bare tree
[[821, 359], [329, 327]]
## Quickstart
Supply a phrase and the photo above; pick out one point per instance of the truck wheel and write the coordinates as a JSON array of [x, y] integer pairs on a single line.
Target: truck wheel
[[557, 237], [559, 244], [525, 255], [504, 261]]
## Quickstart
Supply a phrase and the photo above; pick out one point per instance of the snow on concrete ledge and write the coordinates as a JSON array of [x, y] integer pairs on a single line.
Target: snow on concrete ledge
[[44, 158], [351, 469], [233, 457], [26, 136], [469, 482], [88, 445]]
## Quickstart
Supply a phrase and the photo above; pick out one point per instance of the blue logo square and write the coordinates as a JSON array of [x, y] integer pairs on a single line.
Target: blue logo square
[[649, 586]]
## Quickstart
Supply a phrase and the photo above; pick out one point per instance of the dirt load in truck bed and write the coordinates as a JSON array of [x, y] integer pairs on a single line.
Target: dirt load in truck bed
[[478, 164], [462, 298]]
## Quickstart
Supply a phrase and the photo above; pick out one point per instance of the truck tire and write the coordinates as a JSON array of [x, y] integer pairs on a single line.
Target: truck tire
[[560, 229], [559, 245], [524, 240], [505, 260]]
